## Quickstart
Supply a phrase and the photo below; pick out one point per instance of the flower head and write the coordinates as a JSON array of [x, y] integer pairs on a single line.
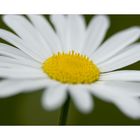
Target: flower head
[[70, 58]]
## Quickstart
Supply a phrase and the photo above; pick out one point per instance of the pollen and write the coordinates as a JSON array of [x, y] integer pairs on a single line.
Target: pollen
[[71, 67]]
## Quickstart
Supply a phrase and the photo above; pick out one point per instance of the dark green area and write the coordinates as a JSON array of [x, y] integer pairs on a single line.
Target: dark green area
[[26, 109]]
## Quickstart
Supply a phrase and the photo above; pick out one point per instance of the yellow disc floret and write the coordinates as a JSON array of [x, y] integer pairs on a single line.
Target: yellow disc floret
[[71, 67]]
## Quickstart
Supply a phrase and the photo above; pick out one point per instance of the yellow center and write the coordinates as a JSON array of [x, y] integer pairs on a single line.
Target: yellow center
[[71, 67]]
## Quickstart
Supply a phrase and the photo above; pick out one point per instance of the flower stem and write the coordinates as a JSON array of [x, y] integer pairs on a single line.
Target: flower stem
[[64, 112]]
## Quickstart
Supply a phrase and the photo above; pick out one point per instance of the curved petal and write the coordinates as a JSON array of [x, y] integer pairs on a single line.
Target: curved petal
[[13, 87], [123, 75], [95, 34], [76, 32], [111, 89], [127, 104], [18, 55], [14, 63], [125, 58], [116, 43], [54, 97], [60, 25], [81, 98], [101, 90], [47, 32], [31, 37], [71, 31], [18, 42], [22, 73], [12, 51], [124, 88]]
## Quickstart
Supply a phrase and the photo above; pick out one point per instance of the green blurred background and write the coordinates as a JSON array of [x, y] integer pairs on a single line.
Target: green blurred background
[[26, 109]]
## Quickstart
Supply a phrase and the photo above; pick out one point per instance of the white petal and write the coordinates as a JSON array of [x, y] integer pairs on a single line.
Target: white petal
[[107, 90], [31, 37], [127, 104], [12, 51], [102, 91], [71, 31], [12, 87], [22, 73], [124, 88], [20, 57], [125, 58], [116, 43], [54, 97], [7, 62], [18, 42], [81, 98], [60, 25], [95, 34], [123, 75], [47, 32], [14, 63], [76, 32]]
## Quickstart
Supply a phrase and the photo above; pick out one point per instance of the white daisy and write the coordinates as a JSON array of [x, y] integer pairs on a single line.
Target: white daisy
[[69, 58]]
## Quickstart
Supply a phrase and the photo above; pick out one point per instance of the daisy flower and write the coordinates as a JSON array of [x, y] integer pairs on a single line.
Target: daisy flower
[[66, 58]]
